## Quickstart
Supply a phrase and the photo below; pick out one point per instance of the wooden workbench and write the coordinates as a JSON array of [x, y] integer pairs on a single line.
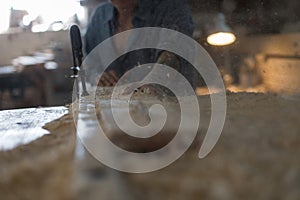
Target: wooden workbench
[[34, 163], [257, 157]]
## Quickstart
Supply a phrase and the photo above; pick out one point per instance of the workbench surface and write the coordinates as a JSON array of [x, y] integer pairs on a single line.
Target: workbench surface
[[257, 157], [22, 126]]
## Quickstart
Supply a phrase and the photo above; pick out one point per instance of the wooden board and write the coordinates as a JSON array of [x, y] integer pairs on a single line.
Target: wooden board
[[22, 126]]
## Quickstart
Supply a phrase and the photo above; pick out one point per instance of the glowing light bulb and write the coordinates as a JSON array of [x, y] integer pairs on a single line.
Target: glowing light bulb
[[221, 38]]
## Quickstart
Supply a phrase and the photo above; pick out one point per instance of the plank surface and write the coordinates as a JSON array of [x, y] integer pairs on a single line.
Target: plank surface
[[22, 126]]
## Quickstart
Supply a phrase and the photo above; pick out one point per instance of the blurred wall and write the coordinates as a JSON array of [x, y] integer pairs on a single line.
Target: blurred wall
[[25, 43], [286, 44], [276, 57]]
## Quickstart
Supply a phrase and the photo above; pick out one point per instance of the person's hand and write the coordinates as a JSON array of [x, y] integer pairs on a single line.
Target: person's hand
[[108, 79]]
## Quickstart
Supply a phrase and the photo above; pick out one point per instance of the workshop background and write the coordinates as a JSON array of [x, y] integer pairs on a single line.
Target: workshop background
[[257, 50], [35, 56]]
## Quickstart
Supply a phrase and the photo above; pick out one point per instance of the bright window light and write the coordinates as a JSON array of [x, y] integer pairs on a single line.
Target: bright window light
[[48, 10], [4, 15], [221, 39]]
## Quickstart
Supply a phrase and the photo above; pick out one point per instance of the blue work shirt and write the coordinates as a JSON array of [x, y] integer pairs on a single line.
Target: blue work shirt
[[172, 14]]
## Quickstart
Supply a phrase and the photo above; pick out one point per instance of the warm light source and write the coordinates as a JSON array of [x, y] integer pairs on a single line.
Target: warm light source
[[221, 38], [219, 33]]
